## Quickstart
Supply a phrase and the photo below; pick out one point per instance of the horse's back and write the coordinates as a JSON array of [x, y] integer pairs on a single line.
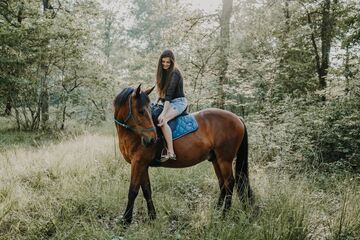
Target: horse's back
[[216, 113], [220, 126], [218, 120]]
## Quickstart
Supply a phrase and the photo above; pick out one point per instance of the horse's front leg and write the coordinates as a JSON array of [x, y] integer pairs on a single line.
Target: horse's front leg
[[146, 188], [137, 176]]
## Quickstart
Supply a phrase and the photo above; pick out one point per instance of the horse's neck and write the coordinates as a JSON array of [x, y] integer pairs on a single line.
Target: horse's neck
[[130, 145], [127, 137]]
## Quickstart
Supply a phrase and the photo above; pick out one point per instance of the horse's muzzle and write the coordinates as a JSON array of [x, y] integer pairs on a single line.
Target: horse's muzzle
[[147, 141]]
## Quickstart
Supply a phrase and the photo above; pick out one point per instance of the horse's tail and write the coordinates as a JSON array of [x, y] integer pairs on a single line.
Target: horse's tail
[[242, 171]]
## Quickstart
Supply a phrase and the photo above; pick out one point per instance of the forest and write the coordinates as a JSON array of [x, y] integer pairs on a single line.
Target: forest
[[290, 68]]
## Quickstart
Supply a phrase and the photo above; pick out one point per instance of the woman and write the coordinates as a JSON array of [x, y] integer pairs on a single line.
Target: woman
[[171, 92]]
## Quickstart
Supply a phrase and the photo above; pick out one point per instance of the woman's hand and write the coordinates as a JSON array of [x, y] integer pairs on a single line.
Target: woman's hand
[[161, 120]]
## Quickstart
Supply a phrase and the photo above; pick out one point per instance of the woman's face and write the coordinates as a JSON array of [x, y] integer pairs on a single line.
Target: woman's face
[[165, 62]]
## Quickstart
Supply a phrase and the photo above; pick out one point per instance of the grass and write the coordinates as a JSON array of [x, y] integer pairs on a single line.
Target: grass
[[12, 139], [76, 188]]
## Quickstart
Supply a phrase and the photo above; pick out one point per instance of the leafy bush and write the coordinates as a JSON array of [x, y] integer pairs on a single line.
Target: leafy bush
[[333, 130], [309, 134]]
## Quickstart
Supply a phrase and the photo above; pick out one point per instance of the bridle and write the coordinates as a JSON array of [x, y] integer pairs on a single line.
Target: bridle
[[130, 115]]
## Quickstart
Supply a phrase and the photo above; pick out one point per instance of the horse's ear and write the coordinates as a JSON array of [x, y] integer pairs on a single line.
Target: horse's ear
[[148, 91], [137, 91]]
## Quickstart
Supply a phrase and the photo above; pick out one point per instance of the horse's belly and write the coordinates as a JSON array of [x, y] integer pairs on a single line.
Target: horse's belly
[[184, 161], [190, 150]]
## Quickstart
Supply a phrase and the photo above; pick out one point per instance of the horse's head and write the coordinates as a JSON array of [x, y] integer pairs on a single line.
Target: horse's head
[[132, 111]]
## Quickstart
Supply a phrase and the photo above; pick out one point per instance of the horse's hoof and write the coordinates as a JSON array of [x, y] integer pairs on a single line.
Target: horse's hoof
[[125, 222], [152, 216]]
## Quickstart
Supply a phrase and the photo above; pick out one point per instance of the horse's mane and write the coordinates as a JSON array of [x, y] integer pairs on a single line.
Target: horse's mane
[[122, 97]]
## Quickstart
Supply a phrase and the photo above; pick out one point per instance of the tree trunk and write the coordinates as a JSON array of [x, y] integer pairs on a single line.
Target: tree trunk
[[284, 49], [44, 94], [326, 36], [8, 106], [17, 117], [107, 36], [62, 127], [224, 50], [347, 72], [287, 17], [46, 5], [44, 97]]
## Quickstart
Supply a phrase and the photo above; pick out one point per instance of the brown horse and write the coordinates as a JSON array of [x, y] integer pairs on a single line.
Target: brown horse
[[220, 138]]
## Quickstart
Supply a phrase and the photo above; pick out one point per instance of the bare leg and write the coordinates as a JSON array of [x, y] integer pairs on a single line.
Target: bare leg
[[170, 114], [168, 137]]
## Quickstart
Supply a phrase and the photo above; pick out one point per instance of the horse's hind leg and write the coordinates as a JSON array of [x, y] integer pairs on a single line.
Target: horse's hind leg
[[221, 183], [229, 182], [225, 153]]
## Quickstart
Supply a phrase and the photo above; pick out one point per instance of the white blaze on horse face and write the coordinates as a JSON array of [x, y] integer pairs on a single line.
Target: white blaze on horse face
[[166, 62]]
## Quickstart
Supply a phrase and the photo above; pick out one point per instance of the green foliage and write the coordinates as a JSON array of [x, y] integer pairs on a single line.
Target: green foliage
[[301, 134], [152, 21], [43, 63], [334, 132]]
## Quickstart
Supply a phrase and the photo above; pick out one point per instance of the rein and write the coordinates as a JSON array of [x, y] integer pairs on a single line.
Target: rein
[[130, 115]]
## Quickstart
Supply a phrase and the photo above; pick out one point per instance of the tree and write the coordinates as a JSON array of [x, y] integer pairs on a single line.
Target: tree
[[327, 23], [43, 67], [224, 43]]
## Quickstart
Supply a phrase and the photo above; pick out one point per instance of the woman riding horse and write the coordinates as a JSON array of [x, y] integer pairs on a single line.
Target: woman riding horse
[[220, 138], [171, 92]]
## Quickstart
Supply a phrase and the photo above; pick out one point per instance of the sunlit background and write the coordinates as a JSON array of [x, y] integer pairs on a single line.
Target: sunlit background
[[208, 6]]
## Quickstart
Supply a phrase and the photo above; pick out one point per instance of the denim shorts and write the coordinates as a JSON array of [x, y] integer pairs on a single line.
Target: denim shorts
[[179, 104]]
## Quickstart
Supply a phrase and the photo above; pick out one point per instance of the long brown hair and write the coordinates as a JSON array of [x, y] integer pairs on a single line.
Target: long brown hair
[[163, 76]]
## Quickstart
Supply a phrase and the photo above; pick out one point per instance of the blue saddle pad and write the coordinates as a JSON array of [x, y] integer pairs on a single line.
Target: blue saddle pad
[[180, 126], [183, 125]]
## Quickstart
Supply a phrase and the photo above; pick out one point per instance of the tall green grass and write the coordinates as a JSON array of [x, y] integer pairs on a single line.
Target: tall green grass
[[77, 188]]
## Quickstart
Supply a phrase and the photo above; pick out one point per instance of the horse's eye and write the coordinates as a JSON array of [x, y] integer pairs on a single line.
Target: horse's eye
[[142, 112]]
